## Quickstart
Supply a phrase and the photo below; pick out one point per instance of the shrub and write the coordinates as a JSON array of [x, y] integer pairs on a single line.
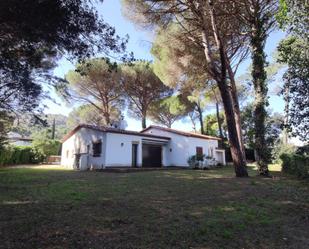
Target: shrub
[[10, 155], [280, 149], [194, 160], [303, 150], [295, 164], [47, 147]]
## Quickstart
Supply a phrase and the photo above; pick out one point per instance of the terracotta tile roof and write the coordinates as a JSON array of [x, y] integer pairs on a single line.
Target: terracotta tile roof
[[110, 130], [183, 133]]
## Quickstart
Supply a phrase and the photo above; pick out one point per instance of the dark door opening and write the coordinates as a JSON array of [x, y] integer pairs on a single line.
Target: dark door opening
[[152, 155], [134, 155]]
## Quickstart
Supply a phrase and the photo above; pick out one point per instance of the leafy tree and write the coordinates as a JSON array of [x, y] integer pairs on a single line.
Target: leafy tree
[[96, 82], [142, 87], [168, 110], [183, 67], [44, 144], [293, 17], [211, 125], [258, 20], [34, 34], [196, 99], [294, 52], [273, 129], [204, 25], [88, 114]]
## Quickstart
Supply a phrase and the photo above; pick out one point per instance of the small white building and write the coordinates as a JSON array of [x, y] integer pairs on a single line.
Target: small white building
[[16, 139], [95, 147]]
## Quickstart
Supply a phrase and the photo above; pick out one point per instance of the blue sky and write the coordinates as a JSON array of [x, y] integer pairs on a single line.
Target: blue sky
[[140, 44]]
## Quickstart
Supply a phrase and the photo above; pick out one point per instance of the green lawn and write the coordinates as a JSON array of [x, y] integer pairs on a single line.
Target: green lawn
[[50, 208]]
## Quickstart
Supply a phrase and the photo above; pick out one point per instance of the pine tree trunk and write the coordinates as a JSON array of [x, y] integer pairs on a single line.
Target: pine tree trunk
[[107, 119], [236, 110], [260, 89], [286, 112], [54, 129], [144, 126], [192, 121], [237, 155], [225, 91], [200, 116], [169, 125], [219, 125]]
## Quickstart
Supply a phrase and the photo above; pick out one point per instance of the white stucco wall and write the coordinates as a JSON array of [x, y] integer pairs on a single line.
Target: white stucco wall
[[79, 141], [183, 147], [119, 149], [116, 148]]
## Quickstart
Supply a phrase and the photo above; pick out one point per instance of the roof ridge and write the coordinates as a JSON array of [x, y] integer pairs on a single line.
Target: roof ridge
[[185, 133]]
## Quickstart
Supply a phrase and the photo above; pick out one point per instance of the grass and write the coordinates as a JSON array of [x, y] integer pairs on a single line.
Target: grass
[[56, 208]]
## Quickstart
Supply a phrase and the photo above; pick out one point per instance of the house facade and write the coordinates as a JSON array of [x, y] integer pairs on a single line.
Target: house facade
[[101, 147]]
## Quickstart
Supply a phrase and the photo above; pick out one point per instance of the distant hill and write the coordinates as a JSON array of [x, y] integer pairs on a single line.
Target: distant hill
[[28, 125]]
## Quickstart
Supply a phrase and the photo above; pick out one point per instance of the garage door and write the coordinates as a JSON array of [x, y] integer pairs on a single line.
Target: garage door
[[152, 155]]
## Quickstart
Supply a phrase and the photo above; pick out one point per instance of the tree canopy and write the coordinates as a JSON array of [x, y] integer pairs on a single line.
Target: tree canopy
[[293, 51], [168, 110], [88, 114], [96, 82], [35, 34], [142, 87], [218, 35]]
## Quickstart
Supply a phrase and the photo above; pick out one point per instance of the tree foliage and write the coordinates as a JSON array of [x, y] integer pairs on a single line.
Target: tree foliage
[[88, 114], [295, 53], [34, 34], [96, 82], [258, 17], [168, 110], [293, 17], [141, 86], [273, 129]]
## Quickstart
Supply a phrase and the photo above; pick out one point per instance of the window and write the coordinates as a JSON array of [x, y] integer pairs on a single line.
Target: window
[[199, 153], [97, 148], [67, 153]]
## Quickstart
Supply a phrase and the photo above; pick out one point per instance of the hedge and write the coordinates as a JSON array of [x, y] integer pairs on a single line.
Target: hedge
[[295, 164], [19, 155]]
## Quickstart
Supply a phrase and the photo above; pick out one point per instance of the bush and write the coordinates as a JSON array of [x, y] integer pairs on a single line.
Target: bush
[[303, 150], [47, 147], [193, 162], [10, 155], [295, 164], [280, 149]]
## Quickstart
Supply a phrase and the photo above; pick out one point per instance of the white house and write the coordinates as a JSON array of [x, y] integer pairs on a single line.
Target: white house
[[16, 139], [95, 147]]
